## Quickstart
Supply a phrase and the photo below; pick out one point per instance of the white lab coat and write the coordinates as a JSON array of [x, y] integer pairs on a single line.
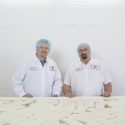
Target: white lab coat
[[37, 80], [87, 80]]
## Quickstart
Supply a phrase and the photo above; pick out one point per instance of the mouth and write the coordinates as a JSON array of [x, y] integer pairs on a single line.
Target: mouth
[[43, 52], [84, 56]]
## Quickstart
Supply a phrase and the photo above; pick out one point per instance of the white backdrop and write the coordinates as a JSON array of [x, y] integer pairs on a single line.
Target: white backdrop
[[66, 24]]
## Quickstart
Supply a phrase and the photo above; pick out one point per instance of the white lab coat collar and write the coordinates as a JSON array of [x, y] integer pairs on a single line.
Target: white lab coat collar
[[35, 58], [91, 62]]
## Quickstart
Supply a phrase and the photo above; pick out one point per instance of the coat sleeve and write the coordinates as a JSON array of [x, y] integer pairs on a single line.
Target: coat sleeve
[[67, 80], [18, 80], [106, 75], [57, 85]]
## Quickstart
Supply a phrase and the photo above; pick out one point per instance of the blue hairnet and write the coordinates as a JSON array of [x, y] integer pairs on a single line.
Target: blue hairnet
[[40, 42]]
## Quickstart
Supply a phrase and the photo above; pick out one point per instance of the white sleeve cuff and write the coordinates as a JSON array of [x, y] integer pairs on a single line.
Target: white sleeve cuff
[[56, 93], [22, 94], [107, 82]]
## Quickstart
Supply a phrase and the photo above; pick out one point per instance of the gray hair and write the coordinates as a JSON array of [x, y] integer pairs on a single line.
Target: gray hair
[[85, 45]]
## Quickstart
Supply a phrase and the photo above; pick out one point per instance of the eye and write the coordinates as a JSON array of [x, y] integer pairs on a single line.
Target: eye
[[81, 50], [85, 49]]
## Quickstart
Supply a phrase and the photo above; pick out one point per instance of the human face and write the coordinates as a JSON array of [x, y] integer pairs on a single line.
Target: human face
[[84, 53], [43, 51]]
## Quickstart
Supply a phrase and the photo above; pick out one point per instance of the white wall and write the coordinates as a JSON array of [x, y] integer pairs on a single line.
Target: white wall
[[66, 23]]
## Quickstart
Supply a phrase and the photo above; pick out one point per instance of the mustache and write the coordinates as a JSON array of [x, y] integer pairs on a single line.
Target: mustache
[[84, 56]]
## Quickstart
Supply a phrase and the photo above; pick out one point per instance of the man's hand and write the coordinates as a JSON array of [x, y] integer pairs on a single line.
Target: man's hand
[[28, 95], [67, 91], [55, 95], [70, 94], [107, 90], [106, 94]]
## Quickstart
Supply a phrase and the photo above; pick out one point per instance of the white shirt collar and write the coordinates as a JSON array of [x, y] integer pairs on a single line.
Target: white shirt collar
[[91, 62], [37, 59]]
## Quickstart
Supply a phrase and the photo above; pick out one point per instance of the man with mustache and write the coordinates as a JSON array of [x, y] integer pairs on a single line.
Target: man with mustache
[[87, 77]]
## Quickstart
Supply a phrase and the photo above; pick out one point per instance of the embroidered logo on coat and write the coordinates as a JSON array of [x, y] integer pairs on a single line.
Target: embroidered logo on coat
[[97, 67], [52, 68], [33, 68]]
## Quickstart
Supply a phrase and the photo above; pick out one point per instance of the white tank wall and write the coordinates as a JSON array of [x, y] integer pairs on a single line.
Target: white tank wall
[[66, 24]]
